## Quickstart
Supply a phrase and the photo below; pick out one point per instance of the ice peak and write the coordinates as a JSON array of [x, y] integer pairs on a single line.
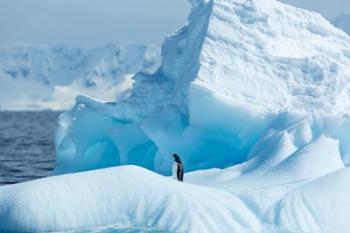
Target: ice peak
[[261, 55]]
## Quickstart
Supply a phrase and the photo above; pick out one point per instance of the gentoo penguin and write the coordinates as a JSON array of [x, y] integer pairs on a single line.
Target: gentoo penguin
[[178, 169]]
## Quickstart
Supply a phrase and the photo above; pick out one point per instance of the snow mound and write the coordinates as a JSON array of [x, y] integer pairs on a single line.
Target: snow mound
[[42, 77], [225, 78], [94, 199], [81, 200]]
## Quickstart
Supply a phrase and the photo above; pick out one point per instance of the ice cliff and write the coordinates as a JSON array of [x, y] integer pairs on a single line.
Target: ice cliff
[[50, 77], [254, 96], [225, 78]]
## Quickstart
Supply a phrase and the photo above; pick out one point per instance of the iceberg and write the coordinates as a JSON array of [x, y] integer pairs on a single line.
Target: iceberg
[[253, 95], [224, 80]]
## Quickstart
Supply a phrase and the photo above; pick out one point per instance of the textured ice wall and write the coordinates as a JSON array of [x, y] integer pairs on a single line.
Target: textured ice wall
[[225, 78]]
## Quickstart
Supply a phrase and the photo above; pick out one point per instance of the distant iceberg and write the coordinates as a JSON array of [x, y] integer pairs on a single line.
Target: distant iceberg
[[254, 96], [50, 77]]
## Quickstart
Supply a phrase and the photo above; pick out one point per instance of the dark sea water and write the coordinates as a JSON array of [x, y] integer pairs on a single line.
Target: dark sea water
[[26, 145]]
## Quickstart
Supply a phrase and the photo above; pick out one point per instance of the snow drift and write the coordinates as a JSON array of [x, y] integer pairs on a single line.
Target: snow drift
[[42, 77], [93, 203], [254, 91]]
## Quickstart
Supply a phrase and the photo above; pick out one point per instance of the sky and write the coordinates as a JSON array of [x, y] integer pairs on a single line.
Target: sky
[[95, 22], [328, 8], [89, 22]]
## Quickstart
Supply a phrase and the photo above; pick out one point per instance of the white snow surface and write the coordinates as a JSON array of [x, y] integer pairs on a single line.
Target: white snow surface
[[50, 77], [229, 200], [253, 96]]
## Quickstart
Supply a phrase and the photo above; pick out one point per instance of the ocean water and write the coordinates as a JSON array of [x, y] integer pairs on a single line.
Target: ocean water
[[26, 145], [27, 153]]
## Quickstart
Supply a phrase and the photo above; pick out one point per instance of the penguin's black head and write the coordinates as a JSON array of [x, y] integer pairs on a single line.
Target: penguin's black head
[[176, 157]]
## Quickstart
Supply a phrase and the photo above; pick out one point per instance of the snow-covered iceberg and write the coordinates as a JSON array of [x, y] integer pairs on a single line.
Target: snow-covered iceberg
[[224, 80], [50, 77], [254, 96], [107, 196], [218, 200]]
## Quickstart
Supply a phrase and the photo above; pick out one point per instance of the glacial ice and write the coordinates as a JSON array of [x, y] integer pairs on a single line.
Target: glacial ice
[[50, 77], [253, 95], [225, 78]]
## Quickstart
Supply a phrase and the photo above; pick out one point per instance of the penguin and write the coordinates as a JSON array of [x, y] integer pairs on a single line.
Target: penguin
[[178, 170]]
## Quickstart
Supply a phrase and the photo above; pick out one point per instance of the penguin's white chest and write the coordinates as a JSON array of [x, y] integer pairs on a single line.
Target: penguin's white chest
[[175, 170]]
